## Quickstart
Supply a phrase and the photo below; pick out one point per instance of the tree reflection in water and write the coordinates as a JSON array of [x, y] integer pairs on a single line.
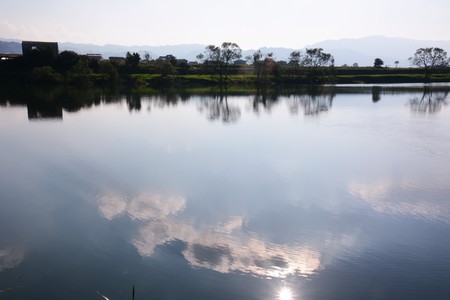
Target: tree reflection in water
[[376, 94], [430, 102], [217, 108], [265, 100], [133, 101], [312, 104]]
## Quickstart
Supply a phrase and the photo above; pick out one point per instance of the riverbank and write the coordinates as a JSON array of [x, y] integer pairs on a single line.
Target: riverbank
[[252, 80], [340, 76]]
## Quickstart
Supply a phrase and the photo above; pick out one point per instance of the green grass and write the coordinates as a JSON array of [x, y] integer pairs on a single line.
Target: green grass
[[380, 78], [196, 80]]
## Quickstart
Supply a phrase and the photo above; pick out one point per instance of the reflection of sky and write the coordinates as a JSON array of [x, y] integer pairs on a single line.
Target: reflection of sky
[[142, 207], [272, 195], [405, 197], [223, 246]]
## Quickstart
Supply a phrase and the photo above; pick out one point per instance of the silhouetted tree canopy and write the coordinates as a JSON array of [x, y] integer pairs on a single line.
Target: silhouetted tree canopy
[[378, 63], [81, 71], [132, 60], [315, 63], [66, 60], [430, 59], [45, 74], [221, 57], [108, 70], [315, 58], [264, 65], [295, 58]]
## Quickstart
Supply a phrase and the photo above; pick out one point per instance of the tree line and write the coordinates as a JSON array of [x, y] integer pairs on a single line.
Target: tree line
[[311, 66]]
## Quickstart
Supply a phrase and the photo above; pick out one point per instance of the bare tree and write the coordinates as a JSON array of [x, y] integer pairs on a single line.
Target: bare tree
[[264, 65], [229, 52], [295, 58], [315, 60], [430, 59], [221, 57], [147, 56]]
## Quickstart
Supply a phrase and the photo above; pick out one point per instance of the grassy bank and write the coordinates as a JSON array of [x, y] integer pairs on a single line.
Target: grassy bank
[[248, 80], [251, 80]]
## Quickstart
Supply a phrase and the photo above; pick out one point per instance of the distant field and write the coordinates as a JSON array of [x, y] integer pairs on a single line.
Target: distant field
[[242, 79]]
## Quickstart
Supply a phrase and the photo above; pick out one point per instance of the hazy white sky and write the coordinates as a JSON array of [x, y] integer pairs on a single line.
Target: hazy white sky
[[250, 23]]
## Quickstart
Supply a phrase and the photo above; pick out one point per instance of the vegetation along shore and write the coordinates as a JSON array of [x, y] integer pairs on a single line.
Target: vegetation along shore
[[221, 65]]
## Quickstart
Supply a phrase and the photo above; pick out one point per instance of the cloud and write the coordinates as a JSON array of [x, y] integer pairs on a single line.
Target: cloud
[[58, 33], [7, 29], [10, 30]]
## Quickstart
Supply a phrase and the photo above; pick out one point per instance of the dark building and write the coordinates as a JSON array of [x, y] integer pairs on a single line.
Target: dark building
[[29, 46]]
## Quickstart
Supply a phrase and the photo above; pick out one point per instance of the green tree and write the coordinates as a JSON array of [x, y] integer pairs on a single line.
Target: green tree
[[80, 73], [165, 68], [66, 60], [108, 70], [44, 74], [132, 60], [430, 59], [378, 63]]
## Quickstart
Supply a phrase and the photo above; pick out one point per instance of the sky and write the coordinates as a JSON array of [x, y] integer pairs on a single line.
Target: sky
[[249, 23]]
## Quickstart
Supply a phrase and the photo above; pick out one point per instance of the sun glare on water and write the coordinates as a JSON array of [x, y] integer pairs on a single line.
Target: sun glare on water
[[285, 294]]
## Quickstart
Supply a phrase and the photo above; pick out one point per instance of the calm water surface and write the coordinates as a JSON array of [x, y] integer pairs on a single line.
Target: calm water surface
[[337, 193]]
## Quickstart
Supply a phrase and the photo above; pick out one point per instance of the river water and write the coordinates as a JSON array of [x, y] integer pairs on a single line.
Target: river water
[[340, 192]]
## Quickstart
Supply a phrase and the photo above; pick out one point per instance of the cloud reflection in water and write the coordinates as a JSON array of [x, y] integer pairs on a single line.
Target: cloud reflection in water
[[10, 258], [405, 197], [210, 247], [223, 247], [143, 207]]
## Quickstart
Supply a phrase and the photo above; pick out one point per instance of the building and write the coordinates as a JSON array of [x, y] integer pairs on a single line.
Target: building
[[182, 61], [92, 56], [29, 46], [240, 62], [8, 56]]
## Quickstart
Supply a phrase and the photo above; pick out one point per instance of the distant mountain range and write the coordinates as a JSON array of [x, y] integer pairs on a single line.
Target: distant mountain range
[[362, 51]]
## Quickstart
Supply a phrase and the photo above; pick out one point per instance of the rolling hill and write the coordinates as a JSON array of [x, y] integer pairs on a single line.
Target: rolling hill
[[362, 51]]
